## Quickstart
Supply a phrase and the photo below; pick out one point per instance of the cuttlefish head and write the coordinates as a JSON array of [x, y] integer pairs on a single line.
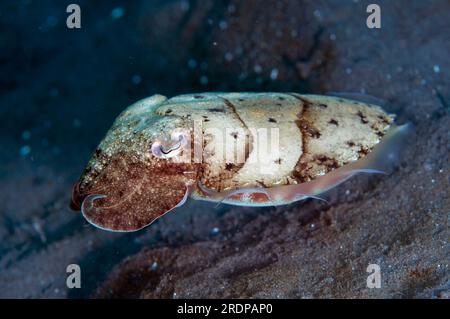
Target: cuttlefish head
[[140, 171]]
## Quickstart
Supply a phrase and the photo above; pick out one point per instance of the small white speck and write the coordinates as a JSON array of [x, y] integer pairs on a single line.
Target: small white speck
[[154, 266], [117, 13], [214, 43], [228, 56], [436, 68], [428, 166], [332, 37], [25, 150], [348, 70], [192, 63], [223, 25], [274, 74], [38, 228], [347, 192], [257, 68], [317, 14], [215, 231], [184, 5]]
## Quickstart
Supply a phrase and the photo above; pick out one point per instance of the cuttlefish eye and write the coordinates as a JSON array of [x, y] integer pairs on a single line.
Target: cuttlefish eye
[[178, 141]]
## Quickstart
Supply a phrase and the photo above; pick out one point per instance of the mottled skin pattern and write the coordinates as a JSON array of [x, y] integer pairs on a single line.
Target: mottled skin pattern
[[317, 134]]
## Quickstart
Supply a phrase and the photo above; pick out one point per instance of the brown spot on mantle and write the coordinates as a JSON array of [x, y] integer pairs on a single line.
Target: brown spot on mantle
[[300, 172], [362, 117], [334, 122]]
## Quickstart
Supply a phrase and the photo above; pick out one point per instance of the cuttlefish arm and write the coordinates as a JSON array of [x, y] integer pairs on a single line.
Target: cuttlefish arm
[[93, 212]]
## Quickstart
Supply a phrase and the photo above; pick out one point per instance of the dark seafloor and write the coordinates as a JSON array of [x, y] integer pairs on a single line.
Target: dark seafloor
[[61, 89]]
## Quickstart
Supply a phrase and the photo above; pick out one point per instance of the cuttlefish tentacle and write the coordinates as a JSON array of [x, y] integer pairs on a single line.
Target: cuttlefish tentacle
[[88, 209]]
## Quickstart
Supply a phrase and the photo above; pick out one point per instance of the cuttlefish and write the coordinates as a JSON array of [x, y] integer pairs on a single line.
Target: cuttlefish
[[250, 149]]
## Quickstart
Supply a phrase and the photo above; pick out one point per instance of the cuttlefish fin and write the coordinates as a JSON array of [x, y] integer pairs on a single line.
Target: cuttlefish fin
[[243, 191], [357, 96], [226, 196]]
